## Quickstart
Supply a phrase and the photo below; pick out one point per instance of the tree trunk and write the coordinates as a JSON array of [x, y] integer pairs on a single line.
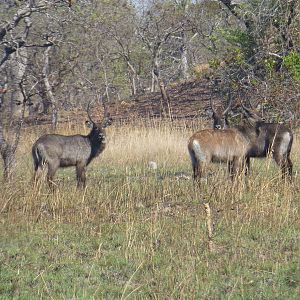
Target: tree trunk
[[48, 89], [132, 78], [166, 101], [153, 82], [184, 66], [184, 56], [155, 72], [46, 103], [8, 154], [17, 67], [165, 98]]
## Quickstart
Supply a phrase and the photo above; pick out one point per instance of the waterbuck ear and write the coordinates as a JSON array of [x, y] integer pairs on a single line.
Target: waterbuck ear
[[89, 124]]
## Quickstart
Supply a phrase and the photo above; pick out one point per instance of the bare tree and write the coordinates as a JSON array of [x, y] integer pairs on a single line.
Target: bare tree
[[15, 45], [155, 30]]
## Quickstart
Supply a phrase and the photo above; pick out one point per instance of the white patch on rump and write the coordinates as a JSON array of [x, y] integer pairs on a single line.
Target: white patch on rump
[[286, 138], [198, 151]]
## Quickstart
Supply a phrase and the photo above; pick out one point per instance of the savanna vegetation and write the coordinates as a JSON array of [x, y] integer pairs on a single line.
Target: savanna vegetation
[[141, 228], [138, 232]]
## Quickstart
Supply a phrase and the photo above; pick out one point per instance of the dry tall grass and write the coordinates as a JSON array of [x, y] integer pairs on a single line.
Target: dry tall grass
[[124, 168], [159, 210]]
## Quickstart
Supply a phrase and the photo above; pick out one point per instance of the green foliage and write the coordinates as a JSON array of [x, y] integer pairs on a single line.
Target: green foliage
[[241, 41], [214, 63], [292, 63]]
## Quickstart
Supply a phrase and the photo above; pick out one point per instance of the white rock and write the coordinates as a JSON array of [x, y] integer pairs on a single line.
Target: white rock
[[152, 165]]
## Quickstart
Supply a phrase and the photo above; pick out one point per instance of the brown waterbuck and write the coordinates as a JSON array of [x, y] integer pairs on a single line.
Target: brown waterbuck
[[220, 121], [262, 138], [78, 150], [221, 145]]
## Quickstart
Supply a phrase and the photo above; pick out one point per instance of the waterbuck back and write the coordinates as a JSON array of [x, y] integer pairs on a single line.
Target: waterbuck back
[[59, 151]]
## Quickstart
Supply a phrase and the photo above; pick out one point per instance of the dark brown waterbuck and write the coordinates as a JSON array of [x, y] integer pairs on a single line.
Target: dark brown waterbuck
[[59, 151], [278, 141], [236, 145]]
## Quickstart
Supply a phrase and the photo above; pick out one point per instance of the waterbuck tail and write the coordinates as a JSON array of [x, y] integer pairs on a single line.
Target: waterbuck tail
[[37, 157]]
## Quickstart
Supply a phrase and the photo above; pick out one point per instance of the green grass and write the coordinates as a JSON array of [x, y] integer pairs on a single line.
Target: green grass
[[136, 233]]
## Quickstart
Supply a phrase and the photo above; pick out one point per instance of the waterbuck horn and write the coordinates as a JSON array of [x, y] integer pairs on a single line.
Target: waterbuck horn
[[107, 120], [218, 124], [88, 112], [211, 105], [251, 115], [225, 112]]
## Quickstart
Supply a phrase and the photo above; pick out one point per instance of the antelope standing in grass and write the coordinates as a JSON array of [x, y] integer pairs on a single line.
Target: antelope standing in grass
[[272, 138], [225, 145], [220, 121], [59, 151], [278, 141]]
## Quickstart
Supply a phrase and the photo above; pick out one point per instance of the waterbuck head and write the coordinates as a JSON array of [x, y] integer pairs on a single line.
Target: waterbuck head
[[251, 115], [220, 120], [97, 132]]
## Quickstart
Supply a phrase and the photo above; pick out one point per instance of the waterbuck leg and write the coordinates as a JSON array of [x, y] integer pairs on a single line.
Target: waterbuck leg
[[286, 168], [198, 168], [289, 167], [285, 165], [230, 169], [247, 165], [195, 171], [237, 167], [37, 173], [52, 168], [81, 175]]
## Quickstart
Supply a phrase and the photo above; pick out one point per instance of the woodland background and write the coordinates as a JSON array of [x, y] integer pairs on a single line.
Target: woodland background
[[135, 231], [58, 55]]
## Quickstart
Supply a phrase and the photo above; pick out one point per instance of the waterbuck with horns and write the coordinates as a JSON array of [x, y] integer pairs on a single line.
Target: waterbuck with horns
[[278, 141], [225, 145], [59, 151], [275, 138], [220, 121]]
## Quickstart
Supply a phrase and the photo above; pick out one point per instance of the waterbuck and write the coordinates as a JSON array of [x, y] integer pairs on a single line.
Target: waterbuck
[[225, 145], [220, 121], [278, 141], [78, 150], [272, 138]]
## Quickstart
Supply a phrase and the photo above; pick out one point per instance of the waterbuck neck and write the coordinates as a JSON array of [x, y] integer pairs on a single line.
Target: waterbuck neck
[[97, 139]]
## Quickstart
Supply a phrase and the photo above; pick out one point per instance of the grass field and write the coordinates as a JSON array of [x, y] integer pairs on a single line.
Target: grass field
[[140, 233]]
